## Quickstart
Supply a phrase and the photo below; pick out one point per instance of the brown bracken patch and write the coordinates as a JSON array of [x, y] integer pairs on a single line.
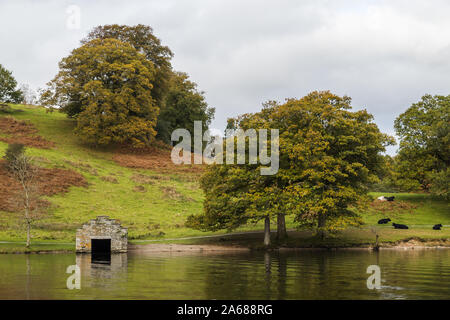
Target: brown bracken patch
[[48, 182], [172, 193], [109, 179], [82, 166], [139, 189], [17, 131], [145, 179], [155, 158]]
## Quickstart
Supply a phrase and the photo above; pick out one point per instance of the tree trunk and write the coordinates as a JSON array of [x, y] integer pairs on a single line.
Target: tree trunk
[[281, 227], [28, 234], [27, 214], [377, 246], [267, 231]]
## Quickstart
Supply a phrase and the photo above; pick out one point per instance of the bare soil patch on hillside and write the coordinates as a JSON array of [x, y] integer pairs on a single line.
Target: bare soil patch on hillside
[[48, 181], [155, 158], [17, 131]]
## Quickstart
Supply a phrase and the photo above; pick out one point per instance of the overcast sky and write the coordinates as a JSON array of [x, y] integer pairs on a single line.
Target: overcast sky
[[385, 54]]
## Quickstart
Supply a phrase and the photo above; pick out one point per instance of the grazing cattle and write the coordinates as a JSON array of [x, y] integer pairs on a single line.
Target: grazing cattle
[[383, 221], [437, 226], [383, 198], [400, 226]]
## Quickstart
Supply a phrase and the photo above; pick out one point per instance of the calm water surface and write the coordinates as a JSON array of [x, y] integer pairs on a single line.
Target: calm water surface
[[412, 274]]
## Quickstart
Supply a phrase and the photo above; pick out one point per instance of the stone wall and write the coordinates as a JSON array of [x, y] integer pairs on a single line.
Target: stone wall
[[102, 228]]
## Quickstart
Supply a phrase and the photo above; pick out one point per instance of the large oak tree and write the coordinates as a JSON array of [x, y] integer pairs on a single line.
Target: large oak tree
[[178, 98], [106, 84], [141, 38], [179, 101], [328, 156]]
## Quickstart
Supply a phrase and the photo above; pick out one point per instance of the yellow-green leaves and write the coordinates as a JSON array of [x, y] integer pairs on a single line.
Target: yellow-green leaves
[[8, 90], [424, 155], [107, 85], [328, 155]]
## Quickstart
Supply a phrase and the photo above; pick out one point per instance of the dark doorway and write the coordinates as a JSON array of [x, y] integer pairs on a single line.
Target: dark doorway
[[101, 246], [101, 251]]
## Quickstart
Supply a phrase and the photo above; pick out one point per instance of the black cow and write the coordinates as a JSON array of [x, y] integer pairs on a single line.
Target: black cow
[[400, 226], [437, 226], [383, 221], [390, 198]]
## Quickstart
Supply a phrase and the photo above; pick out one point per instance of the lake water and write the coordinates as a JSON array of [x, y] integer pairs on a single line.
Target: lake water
[[307, 274]]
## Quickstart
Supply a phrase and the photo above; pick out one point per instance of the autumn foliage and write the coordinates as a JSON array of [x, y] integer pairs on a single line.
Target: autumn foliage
[[328, 156], [121, 89], [23, 132], [106, 85]]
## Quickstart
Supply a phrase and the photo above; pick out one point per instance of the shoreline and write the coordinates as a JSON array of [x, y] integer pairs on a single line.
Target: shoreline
[[406, 244], [133, 248]]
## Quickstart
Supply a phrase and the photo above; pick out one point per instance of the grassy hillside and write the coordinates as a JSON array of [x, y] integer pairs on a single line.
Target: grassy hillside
[[151, 204], [154, 202]]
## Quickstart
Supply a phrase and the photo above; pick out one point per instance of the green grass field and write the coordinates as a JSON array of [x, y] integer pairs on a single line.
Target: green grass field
[[156, 214], [148, 214]]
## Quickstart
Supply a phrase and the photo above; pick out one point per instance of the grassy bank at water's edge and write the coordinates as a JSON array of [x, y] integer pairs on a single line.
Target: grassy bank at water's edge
[[154, 204]]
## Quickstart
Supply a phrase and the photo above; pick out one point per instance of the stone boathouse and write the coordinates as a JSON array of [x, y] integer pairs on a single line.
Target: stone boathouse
[[102, 235]]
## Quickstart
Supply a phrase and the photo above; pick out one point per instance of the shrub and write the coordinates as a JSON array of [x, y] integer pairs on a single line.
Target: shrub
[[4, 108], [14, 151]]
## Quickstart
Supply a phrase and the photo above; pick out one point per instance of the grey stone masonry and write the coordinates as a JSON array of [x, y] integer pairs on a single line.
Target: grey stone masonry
[[102, 228]]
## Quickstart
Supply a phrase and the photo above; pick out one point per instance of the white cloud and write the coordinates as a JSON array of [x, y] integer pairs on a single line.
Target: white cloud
[[385, 54]]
